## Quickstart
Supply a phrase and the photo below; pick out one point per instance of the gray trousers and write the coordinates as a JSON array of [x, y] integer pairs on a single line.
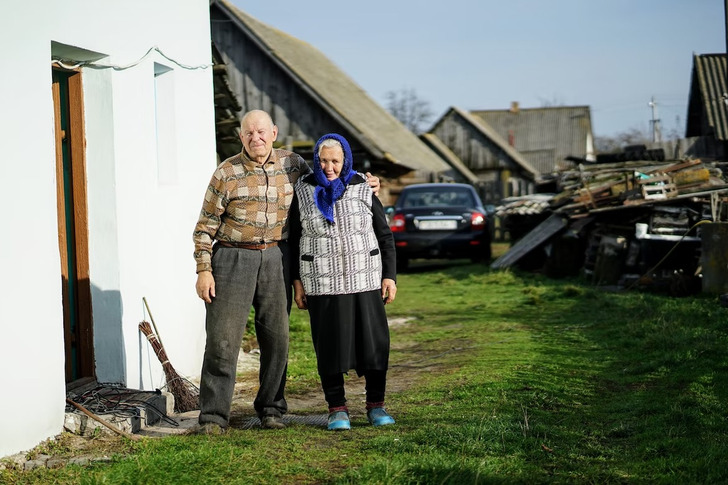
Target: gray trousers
[[245, 278]]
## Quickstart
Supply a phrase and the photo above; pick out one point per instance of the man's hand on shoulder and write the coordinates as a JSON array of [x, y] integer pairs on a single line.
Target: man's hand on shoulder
[[373, 183]]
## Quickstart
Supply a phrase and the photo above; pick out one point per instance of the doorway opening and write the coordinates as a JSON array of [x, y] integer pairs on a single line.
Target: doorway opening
[[73, 224]]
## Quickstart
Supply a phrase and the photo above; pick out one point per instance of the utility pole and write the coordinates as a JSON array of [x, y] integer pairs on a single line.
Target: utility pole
[[656, 133]]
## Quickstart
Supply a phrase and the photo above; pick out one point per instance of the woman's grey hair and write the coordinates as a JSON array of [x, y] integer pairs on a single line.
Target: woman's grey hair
[[329, 143]]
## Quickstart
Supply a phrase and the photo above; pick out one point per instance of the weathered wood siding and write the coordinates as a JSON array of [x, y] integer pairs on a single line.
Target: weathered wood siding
[[500, 176], [261, 84], [269, 70]]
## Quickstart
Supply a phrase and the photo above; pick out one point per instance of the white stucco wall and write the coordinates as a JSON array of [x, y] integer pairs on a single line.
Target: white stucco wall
[[140, 225]]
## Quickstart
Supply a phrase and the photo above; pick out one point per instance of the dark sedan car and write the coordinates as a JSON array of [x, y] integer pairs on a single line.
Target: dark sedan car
[[439, 221]]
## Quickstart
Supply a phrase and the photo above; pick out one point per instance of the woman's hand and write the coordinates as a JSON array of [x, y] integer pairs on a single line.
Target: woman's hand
[[389, 290], [373, 182], [299, 295]]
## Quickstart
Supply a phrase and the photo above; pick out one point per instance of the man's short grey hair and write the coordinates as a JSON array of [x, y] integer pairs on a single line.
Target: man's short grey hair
[[330, 143], [256, 111]]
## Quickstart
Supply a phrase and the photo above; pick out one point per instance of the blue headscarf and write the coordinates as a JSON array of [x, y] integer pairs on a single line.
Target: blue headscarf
[[327, 192]]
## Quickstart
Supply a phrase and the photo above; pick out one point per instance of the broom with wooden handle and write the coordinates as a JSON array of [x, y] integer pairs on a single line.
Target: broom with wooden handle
[[186, 394]]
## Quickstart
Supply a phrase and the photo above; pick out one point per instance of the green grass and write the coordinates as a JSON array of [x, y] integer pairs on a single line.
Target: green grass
[[513, 378]]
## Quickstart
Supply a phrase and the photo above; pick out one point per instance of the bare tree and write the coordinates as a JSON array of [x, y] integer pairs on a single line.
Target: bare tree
[[410, 109], [551, 103], [631, 136]]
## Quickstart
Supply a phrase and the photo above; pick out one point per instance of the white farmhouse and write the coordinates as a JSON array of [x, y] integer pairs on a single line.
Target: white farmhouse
[[108, 143]]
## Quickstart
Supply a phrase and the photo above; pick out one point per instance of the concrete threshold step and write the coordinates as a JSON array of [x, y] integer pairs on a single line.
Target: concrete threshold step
[[130, 410]]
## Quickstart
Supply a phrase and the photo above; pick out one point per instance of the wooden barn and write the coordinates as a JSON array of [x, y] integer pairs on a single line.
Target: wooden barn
[[260, 67], [707, 123], [547, 136], [501, 171]]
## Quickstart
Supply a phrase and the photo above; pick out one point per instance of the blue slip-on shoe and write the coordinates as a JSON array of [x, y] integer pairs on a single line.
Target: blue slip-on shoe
[[339, 421], [379, 417]]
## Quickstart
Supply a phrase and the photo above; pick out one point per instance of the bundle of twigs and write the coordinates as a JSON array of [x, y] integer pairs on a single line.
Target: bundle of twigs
[[186, 395]]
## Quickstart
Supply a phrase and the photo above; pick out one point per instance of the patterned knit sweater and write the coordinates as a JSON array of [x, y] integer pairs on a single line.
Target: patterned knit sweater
[[350, 256], [247, 202]]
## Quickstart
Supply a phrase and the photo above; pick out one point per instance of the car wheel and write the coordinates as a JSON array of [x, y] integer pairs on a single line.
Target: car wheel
[[402, 264]]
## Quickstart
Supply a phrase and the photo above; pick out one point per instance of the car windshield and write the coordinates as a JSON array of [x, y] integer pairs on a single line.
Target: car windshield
[[429, 197]]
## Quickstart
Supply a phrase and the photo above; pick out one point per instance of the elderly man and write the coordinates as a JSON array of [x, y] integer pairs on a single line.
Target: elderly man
[[242, 261]]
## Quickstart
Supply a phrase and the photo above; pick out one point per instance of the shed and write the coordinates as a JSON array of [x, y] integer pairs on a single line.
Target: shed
[[545, 136], [707, 119], [501, 170]]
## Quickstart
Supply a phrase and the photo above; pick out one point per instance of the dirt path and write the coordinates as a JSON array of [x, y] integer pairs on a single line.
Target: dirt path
[[312, 401], [309, 404]]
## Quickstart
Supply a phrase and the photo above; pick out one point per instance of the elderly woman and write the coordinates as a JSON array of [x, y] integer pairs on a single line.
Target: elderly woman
[[343, 272]]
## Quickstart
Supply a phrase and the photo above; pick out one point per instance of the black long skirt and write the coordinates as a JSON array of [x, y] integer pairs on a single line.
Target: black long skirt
[[349, 332]]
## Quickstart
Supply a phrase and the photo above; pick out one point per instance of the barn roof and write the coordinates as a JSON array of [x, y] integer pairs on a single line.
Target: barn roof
[[707, 112], [544, 136], [484, 128], [374, 128]]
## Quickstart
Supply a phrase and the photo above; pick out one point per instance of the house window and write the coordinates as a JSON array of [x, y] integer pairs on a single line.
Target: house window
[[166, 128]]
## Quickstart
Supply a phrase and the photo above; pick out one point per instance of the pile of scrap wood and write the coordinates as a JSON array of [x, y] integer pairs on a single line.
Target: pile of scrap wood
[[618, 222], [592, 187]]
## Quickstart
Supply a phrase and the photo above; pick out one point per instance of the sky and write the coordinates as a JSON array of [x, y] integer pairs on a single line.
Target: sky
[[615, 56]]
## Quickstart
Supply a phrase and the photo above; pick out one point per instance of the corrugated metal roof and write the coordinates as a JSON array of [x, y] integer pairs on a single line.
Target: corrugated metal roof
[[708, 97], [375, 128], [544, 136]]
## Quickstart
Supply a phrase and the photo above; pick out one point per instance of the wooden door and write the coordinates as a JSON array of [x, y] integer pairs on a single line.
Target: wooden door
[[73, 224]]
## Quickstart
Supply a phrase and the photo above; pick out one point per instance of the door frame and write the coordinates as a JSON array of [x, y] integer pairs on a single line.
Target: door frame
[[73, 223]]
